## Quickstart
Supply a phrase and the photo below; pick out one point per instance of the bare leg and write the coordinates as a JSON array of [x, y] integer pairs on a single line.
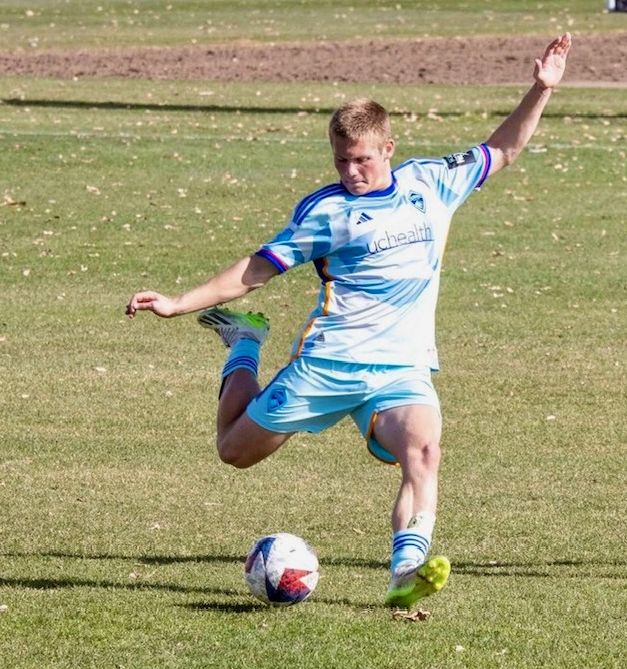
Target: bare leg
[[412, 435], [241, 442], [238, 389]]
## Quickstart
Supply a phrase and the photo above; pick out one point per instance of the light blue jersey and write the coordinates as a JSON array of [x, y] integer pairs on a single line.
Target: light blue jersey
[[379, 258]]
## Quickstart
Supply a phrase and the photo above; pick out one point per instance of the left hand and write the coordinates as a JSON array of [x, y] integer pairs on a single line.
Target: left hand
[[550, 69]]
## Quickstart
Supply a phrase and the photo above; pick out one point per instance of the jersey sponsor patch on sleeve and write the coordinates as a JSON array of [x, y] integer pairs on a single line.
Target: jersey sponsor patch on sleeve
[[458, 159]]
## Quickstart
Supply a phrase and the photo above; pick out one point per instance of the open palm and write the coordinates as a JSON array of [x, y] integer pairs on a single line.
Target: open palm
[[550, 69]]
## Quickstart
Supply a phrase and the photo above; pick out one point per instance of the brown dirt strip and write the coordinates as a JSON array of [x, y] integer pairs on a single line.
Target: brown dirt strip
[[594, 60]]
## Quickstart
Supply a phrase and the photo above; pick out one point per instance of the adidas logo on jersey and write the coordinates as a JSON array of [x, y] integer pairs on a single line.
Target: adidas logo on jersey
[[363, 218]]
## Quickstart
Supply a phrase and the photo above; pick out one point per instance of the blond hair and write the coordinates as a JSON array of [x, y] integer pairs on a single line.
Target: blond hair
[[359, 119]]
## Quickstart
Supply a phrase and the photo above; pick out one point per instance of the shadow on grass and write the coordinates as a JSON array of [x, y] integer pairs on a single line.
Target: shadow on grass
[[237, 606], [559, 568], [562, 568], [229, 109], [546, 568], [221, 607], [157, 560], [148, 106], [258, 606], [144, 583], [61, 583]]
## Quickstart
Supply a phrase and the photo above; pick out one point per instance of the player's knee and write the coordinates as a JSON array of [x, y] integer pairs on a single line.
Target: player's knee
[[426, 453], [432, 454], [232, 456]]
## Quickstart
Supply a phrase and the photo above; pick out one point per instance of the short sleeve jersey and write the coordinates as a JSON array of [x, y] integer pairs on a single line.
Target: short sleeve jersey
[[379, 258]]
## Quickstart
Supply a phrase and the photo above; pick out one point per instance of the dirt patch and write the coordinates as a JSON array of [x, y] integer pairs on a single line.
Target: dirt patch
[[477, 60]]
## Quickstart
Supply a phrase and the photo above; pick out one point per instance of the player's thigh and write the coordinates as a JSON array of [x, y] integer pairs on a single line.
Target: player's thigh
[[408, 431], [403, 410]]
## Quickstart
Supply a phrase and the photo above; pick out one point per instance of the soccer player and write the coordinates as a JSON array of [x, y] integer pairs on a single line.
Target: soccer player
[[367, 350]]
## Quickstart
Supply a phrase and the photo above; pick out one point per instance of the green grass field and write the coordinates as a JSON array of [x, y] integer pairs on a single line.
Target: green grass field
[[89, 23], [122, 537]]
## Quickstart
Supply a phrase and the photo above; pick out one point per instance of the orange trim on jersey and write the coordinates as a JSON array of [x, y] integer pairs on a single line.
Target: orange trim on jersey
[[369, 436], [373, 420], [303, 336], [325, 308], [327, 286]]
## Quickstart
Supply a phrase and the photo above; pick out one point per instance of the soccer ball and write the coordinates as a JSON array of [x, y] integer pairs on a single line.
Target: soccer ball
[[281, 569]]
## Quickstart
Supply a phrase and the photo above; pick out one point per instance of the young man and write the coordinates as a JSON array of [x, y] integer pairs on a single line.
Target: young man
[[376, 239]]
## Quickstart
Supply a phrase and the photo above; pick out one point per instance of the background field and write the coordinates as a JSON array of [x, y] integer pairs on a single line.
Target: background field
[[122, 537], [89, 23]]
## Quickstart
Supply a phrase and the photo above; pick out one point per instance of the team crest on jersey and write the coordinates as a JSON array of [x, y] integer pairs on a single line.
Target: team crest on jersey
[[277, 399], [418, 201], [459, 159]]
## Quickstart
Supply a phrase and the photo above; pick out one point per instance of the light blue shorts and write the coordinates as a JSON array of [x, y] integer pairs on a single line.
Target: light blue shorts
[[312, 394]]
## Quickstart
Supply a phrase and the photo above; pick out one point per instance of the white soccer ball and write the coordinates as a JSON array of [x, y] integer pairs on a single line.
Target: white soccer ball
[[281, 569]]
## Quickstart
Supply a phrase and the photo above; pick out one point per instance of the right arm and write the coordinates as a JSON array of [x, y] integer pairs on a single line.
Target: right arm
[[244, 276]]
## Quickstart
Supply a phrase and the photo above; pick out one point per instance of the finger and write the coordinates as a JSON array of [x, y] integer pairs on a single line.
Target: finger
[[139, 301], [567, 44], [144, 304], [564, 43]]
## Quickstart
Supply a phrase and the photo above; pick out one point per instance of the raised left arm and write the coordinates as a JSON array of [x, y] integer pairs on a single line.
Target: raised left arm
[[510, 138]]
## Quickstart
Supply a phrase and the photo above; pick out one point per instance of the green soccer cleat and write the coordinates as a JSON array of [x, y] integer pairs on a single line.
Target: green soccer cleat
[[235, 325], [413, 583]]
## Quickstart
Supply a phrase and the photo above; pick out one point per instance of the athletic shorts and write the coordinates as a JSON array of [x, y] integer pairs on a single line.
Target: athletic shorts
[[312, 394]]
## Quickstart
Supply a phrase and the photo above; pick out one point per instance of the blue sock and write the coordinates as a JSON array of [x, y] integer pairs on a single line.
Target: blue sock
[[244, 354], [412, 544]]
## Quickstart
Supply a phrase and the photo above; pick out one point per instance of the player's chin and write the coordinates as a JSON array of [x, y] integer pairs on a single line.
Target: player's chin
[[357, 188]]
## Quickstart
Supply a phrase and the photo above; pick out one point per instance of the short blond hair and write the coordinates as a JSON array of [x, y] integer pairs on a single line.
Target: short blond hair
[[359, 119]]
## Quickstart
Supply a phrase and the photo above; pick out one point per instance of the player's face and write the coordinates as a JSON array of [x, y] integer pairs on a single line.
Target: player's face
[[363, 166]]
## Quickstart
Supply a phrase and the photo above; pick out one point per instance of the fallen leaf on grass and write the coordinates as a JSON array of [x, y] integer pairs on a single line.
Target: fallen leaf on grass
[[411, 616], [8, 201]]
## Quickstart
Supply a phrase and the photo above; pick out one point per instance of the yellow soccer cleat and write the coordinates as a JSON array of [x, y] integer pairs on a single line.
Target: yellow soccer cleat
[[412, 583]]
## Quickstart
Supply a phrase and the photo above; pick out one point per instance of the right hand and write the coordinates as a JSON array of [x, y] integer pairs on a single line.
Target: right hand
[[148, 300]]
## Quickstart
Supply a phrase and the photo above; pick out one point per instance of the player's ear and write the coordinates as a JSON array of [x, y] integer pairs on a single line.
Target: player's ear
[[388, 149]]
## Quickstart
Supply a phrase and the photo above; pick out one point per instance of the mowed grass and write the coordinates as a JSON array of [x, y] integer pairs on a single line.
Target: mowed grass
[[122, 537], [42, 24]]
